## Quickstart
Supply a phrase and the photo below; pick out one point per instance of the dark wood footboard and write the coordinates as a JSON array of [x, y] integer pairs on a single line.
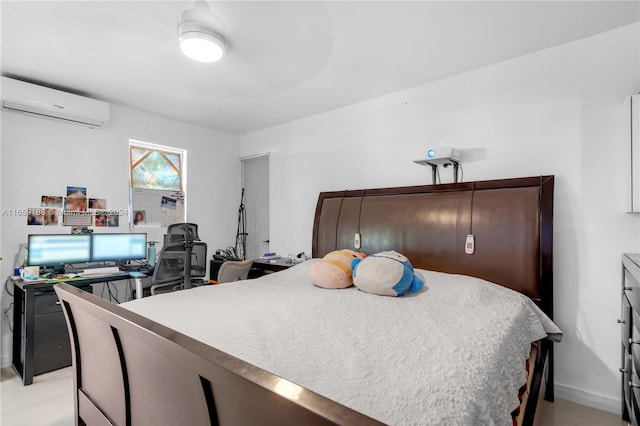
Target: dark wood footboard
[[129, 370]]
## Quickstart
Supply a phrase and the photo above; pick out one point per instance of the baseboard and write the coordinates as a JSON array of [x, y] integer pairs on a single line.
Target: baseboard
[[605, 403]]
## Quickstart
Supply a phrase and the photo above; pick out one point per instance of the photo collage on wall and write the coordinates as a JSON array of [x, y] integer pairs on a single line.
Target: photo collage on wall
[[75, 209]]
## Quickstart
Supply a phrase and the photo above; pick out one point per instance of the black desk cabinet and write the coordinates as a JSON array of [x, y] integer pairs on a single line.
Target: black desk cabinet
[[51, 339], [630, 324], [40, 335]]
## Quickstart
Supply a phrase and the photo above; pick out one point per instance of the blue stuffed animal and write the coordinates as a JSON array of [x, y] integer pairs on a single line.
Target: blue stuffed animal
[[387, 273]]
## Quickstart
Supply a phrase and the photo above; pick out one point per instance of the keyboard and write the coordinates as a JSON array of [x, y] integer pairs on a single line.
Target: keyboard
[[145, 269], [107, 270]]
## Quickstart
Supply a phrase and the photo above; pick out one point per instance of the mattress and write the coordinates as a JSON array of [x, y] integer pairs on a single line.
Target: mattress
[[453, 353]]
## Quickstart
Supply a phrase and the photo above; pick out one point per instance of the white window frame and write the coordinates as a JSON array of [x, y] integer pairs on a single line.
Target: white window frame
[[163, 148]]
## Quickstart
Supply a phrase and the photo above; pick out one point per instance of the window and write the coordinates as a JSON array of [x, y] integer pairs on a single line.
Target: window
[[155, 168], [157, 179]]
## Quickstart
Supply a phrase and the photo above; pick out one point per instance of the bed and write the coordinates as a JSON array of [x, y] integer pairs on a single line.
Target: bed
[[278, 350]]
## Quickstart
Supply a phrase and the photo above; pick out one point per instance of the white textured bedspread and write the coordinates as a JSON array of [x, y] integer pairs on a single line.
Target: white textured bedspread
[[451, 354]]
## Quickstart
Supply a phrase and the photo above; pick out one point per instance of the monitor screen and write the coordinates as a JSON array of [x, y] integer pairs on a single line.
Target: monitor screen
[[51, 250], [118, 247]]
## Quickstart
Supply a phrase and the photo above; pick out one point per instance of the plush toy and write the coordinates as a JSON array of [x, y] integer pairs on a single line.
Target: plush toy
[[334, 270], [387, 273]]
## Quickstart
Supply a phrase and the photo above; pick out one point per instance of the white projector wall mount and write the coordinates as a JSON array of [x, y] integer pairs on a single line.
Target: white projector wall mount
[[443, 156]]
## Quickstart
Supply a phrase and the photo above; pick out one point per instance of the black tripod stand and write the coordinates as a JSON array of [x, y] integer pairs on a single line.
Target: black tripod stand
[[241, 233]]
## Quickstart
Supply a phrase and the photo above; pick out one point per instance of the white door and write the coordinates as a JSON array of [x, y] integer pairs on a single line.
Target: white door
[[256, 203]]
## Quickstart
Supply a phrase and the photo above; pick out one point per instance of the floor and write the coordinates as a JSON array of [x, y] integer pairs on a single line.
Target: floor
[[49, 401]]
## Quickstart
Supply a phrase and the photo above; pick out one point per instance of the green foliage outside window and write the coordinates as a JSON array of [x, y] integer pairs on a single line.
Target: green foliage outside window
[[155, 169]]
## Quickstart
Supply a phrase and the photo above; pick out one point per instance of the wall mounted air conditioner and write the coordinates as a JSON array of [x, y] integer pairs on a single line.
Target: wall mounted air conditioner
[[45, 102]]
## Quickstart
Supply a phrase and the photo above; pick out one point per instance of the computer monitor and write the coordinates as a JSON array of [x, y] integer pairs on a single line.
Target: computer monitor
[[58, 250], [118, 247]]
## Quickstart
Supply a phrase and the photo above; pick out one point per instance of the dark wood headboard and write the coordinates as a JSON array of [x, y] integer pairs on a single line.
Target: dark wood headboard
[[511, 220]]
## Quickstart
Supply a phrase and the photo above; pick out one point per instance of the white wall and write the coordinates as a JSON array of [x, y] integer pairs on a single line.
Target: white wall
[[41, 157], [559, 111]]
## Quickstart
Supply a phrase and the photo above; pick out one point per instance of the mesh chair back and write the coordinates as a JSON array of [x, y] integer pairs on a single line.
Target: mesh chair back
[[199, 259], [179, 232], [170, 267]]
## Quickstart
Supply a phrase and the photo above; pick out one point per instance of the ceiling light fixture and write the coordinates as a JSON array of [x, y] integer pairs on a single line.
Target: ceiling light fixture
[[197, 35]]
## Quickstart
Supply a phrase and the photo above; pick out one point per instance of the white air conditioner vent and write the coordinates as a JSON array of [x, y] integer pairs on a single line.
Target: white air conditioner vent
[[45, 102]]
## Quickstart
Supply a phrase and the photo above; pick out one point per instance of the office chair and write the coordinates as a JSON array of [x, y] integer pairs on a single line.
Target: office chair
[[169, 270], [234, 270], [181, 233], [182, 261]]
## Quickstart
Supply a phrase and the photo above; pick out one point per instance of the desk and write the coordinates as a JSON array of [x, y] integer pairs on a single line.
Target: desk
[[258, 268], [40, 336], [263, 267]]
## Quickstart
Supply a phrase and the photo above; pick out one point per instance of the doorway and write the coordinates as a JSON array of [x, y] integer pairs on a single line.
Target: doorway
[[255, 181]]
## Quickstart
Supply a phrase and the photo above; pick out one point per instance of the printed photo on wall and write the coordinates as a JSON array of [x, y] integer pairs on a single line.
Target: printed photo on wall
[[168, 203], [97, 203], [35, 216], [113, 220], [139, 217], [164, 202], [51, 216], [76, 192], [76, 200], [75, 204], [101, 219], [52, 201]]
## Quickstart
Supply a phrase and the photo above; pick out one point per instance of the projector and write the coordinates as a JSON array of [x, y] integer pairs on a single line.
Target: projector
[[441, 155]]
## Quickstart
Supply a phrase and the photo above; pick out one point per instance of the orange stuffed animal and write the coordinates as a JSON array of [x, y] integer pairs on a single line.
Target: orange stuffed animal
[[334, 269]]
